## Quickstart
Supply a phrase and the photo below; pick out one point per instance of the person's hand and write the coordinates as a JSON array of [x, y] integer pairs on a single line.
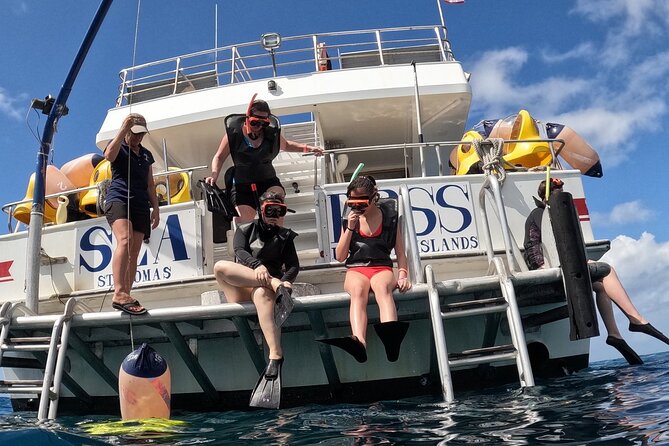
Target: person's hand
[[211, 180], [262, 276], [128, 122], [155, 218], [317, 151], [403, 284], [287, 284], [353, 220]]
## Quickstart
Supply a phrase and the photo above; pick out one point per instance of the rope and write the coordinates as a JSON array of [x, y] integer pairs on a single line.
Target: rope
[[490, 153]]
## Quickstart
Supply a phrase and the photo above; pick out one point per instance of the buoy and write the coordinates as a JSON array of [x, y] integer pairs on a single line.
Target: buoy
[[79, 170], [144, 385], [576, 151], [55, 182]]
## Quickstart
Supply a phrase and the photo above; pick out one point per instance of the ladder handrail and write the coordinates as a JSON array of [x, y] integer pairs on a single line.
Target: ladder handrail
[[416, 274], [439, 337]]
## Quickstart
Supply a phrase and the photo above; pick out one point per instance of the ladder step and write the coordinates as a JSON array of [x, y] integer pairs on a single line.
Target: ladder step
[[37, 390], [482, 355], [27, 347], [34, 339], [25, 382], [474, 311], [475, 303]]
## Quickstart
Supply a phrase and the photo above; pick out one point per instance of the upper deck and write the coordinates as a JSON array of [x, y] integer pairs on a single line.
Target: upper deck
[[361, 93]]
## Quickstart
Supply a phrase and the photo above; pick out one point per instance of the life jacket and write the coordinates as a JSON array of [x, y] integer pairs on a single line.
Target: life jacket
[[253, 164], [375, 251]]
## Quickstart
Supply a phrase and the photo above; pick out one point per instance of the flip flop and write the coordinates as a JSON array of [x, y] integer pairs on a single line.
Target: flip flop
[[127, 307]]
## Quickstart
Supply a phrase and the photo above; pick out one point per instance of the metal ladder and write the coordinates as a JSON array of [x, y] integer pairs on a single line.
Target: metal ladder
[[507, 303], [56, 345], [517, 350]]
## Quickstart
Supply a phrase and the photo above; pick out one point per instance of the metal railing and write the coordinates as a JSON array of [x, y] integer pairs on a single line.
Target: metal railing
[[297, 55]]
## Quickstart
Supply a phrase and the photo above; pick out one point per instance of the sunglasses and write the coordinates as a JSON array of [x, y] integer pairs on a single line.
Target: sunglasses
[[258, 122], [274, 210], [358, 203]]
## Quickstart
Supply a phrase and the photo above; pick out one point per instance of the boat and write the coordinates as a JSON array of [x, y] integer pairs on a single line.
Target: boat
[[477, 316]]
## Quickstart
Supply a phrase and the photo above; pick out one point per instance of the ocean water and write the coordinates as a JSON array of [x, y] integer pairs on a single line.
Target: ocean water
[[609, 403]]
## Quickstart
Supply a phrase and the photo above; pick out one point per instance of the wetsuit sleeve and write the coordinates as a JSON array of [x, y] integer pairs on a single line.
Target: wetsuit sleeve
[[534, 254], [239, 244], [291, 262]]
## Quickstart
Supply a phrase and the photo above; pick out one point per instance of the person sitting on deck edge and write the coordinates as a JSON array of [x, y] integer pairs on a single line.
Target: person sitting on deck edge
[[607, 289], [267, 266], [369, 233]]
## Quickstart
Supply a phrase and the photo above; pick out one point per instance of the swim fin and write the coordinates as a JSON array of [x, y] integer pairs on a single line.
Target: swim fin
[[625, 350], [649, 330], [267, 392], [284, 305], [350, 344], [392, 334]]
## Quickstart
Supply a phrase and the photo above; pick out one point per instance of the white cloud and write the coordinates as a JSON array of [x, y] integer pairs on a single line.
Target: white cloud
[[585, 50], [8, 104], [624, 213], [19, 8]]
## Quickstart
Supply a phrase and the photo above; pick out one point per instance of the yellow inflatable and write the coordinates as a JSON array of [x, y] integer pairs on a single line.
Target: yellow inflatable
[[89, 203], [178, 184], [56, 182], [466, 157]]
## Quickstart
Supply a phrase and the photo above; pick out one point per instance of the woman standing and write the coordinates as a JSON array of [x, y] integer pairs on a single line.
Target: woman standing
[[131, 206], [253, 140], [370, 233]]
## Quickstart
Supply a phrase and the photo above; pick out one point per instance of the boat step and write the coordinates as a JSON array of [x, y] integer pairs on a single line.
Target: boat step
[[482, 355], [24, 382]]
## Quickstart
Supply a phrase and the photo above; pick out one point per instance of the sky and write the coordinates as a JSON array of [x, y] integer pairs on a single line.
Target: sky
[[599, 66]]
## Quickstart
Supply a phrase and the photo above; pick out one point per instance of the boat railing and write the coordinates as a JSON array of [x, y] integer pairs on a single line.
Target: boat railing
[[9, 207], [409, 151], [302, 54]]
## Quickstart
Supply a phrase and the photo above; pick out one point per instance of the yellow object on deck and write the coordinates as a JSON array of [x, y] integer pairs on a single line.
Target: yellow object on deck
[[56, 182], [179, 186], [89, 202], [467, 158]]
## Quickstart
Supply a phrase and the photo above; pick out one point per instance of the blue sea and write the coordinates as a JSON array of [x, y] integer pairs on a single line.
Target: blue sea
[[609, 403]]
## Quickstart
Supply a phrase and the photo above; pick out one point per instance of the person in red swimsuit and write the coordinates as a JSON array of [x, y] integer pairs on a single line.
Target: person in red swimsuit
[[369, 234]]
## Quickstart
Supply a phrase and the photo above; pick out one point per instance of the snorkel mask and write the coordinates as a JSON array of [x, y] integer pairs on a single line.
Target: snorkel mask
[[358, 204], [273, 209]]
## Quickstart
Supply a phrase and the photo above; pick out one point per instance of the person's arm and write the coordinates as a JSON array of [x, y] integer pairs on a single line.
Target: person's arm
[[292, 146], [291, 262], [344, 244], [112, 149], [217, 161], [153, 199], [403, 282], [239, 246]]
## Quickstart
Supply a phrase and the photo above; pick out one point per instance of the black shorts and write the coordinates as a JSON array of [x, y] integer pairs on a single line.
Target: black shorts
[[140, 218], [242, 193]]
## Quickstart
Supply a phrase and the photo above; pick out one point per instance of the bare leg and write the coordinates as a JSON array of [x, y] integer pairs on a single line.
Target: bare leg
[[606, 310], [233, 274], [136, 240], [383, 284], [121, 229], [357, 286], [246, 214], [263, 299], [615, 290]]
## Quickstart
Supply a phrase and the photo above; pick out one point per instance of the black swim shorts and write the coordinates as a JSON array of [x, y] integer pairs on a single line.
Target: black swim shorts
[[242, 193], [140, 218]]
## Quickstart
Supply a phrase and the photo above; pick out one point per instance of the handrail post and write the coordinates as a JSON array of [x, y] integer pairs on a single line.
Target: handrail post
[[440, 162], [378, 43], [233, 60], [315, 42], [409, 232], [176, 75], [124, 77]]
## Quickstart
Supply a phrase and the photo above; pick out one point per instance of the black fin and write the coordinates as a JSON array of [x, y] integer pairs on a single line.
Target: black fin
[[267, 392], [284, 305], [350, 344], [625, 350], [392, 334], [649, 330]]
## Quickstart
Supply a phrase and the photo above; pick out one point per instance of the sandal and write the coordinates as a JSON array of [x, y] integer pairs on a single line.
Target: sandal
[[128, 307]]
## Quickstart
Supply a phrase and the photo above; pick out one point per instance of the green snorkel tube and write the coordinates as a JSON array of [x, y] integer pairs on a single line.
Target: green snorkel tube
[[356, 172]]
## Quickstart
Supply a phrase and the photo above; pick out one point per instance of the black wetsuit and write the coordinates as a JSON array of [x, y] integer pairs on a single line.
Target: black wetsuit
[[258, 244], [375, 250], [252, 164]]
